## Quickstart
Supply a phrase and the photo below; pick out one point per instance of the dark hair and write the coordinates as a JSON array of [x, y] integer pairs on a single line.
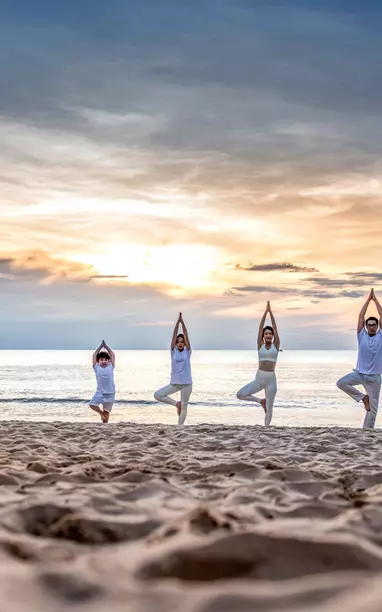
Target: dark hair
[[103, 355], [268, 328], [372, 319], [180, 336]]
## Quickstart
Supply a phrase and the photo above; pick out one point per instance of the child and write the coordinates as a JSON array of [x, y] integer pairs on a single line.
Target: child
[[103, 365]]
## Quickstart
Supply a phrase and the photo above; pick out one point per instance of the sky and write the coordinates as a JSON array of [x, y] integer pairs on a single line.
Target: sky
[[201, 156]]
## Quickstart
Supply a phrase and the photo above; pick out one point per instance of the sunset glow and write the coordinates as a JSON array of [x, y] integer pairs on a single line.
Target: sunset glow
[[169, 170], [175, 265]]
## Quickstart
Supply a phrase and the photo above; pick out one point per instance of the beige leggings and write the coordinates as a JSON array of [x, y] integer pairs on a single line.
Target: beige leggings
[[185, 393], [264, 381]]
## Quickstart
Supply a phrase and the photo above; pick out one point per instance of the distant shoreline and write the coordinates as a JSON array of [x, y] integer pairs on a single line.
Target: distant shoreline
[[241, 350]]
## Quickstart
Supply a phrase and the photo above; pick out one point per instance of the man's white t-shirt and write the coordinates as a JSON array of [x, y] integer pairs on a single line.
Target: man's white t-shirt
[[105, 378], [369, 353], [181, 367]]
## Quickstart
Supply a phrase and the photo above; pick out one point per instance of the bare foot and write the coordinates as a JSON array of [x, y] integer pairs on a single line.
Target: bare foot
[[178, 407], [104, 418], [366, 402], [98, 410], [263, 402]]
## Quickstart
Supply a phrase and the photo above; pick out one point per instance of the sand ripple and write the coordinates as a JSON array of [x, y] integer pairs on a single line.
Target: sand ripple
[[202, 518]]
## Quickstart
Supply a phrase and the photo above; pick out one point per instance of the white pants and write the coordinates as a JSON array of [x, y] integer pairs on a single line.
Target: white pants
[[185, 393], [372, 384], [263, 380]]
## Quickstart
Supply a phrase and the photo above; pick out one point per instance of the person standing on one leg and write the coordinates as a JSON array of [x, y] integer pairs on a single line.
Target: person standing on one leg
[[369, 363], [268, 345], [181, 379], [103, 365]]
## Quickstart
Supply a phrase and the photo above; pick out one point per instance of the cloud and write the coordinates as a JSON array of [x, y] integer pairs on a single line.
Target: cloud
[[232, 293], [292, 291], [108, 277], [256, 144], [322, 295], [334, 282], [265, 289], [370, 277], [352, 294], [357, 279], [271, 267], [39, 265]]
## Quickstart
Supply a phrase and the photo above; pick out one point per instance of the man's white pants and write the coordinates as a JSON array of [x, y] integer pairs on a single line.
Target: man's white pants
[[372, 385]]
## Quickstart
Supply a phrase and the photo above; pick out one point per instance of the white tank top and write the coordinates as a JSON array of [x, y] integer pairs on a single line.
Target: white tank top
[[268, 354]]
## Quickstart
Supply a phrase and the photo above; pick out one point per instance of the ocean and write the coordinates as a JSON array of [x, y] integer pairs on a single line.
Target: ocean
[[57, 385]]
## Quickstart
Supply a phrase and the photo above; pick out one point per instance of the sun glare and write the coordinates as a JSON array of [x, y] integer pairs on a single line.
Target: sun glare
[[186, 266]]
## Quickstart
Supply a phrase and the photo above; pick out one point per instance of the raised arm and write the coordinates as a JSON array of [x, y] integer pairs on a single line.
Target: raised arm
[[378, 306], [175, 332], [96, 353], [275, 331], [361, 316], [185, 333], [261, 328], [111, 353]]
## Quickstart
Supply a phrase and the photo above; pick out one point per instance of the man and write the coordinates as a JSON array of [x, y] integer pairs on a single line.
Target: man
[[369, 364]]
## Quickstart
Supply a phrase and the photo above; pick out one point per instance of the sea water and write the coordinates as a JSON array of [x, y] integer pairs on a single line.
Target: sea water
[[57, 385]]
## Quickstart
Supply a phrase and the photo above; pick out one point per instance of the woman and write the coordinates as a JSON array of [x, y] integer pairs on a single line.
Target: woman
[[180, 372], [268, 345]]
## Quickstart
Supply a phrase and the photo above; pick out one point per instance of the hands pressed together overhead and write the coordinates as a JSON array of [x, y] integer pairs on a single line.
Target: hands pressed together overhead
[[372, 296]]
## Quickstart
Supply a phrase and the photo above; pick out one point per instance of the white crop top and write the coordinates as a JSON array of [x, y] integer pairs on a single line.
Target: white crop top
[[268, 354]]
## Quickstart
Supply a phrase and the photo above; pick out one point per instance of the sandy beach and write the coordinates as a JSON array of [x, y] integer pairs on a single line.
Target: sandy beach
[[201, 518]]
